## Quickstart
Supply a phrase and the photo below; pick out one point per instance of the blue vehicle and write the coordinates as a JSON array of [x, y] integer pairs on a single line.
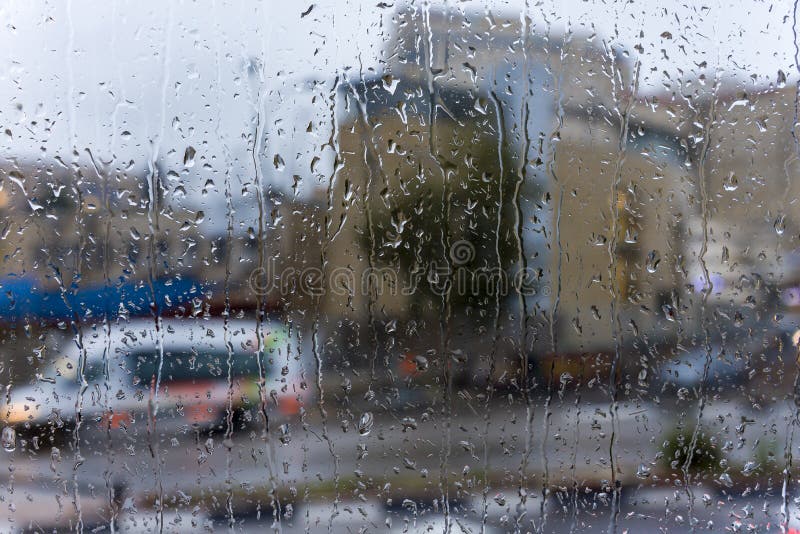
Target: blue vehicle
[[25, 298]]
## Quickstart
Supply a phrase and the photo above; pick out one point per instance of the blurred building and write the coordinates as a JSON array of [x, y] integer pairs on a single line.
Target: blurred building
[[597, 189], [438, 149]]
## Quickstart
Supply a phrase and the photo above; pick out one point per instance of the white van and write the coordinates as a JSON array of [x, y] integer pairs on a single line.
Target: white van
[[189, 374]]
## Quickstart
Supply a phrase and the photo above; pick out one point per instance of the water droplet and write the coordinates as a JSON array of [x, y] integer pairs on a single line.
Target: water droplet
[[366, 423], [390, 83], [731, 183], [285, 435], [188, 157], [781, 79], [278, 162], [643, 471], [749, 468], [780, 224], [8, 438], [409, 423], [653, 259]]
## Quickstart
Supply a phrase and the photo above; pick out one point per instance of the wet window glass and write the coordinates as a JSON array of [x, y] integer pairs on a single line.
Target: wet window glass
[[399, 266]]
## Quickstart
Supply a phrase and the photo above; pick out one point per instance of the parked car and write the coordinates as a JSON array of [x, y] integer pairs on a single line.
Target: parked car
[[190, 373], [734, 359]]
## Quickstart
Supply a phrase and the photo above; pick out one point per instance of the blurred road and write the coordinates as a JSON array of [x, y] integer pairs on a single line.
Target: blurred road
[[476, 457]]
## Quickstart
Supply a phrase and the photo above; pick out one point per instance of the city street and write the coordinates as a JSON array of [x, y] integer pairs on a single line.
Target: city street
[[409, 462]]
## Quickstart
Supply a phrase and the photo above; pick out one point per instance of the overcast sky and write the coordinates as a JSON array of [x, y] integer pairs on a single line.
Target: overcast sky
[[127, 79]]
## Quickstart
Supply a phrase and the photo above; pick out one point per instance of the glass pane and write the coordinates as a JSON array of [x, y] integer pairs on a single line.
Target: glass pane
[[408, 266]]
